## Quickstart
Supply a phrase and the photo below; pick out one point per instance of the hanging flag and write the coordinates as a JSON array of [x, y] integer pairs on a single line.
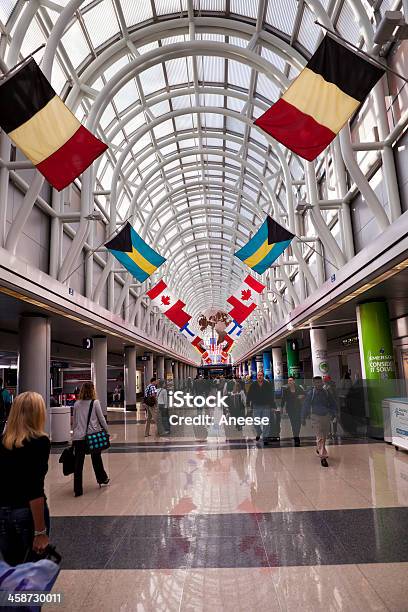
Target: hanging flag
[[43, 128], [188, 333], [244, 299], [234, 329], [265, 247], [170, 306], [319, 102], [198, 343], [134, 254], [229, 342]]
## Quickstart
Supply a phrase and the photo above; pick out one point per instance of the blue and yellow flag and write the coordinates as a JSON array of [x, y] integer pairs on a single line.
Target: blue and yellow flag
[[134, 254], [265, 247]]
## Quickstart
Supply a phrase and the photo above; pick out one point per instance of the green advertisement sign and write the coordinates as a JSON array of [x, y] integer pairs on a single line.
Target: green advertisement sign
[[378, 356], [292, 356]]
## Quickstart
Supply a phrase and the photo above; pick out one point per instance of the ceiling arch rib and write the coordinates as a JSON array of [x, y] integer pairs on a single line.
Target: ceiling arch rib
[[152, 177]]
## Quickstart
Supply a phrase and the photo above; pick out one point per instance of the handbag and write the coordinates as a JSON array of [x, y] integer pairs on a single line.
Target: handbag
[[50, 553], [67, 459], [97, 441]]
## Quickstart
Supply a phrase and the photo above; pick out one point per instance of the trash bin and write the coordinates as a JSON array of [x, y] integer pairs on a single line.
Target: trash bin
[[60, 423]]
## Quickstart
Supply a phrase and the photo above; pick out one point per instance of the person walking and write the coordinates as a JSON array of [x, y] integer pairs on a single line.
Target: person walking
[[292, 398], [87, 409], [150, 402], [5, 405], [24, 455], [319, 402], [262, 398], [163, 420], [236, 403]]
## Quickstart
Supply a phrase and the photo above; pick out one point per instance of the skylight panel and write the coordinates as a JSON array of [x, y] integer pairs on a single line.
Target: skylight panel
[[75, 44], [136, 12], [101, 22]]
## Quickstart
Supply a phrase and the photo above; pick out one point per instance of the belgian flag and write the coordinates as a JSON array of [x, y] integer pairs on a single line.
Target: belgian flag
[[265, 247], [321, 99], [134, 254], [43, 128]]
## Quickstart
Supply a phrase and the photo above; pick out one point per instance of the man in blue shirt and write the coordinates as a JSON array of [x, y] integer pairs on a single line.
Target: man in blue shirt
[[320, 404]]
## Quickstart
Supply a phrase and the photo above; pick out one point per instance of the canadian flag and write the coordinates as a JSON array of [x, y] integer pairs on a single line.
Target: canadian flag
[[244, 300], [170, 306], [229, 342]]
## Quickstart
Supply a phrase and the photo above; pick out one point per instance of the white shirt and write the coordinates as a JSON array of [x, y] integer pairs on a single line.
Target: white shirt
[[162, 397], [96, 423]]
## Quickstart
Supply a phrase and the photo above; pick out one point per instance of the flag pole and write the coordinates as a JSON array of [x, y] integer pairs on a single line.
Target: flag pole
[[358, 50], [3, 76]]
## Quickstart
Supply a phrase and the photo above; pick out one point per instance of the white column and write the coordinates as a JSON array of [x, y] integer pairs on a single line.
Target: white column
[[130, 377], [259, 363], [318, 344], [160, 366], [277, 363], [176, 373], [99, 373], [34, 357], [277, 369], [148, 368]]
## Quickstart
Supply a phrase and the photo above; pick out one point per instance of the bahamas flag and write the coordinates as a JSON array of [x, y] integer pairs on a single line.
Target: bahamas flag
[[134, 254], [268, 243]]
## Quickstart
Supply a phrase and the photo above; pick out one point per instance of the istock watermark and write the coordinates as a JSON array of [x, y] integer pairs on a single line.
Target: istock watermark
[[178, 399]]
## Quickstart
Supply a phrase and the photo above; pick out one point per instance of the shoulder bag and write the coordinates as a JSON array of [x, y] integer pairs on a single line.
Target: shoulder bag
[[97, 441], [67, 459]]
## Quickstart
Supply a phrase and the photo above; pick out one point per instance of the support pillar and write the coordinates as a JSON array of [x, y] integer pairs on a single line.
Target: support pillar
[[148, 369], [168, 371], [259, 363], [377, 359], [34, 358], [292, 356], [253, 368], [176, 373], [277, 365], [318, 344], [130, 377], [267, 364], [249, 367], [99, 370], [160, 366]]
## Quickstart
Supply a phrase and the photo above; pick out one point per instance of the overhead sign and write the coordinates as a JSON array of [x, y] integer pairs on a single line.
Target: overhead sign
[[145, 357], [87, 343]]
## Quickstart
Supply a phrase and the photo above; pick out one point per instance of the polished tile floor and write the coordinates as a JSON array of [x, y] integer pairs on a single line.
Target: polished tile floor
[[190, 525]]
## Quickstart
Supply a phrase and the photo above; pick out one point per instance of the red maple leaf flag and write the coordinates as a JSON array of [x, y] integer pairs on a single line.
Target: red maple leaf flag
[[168, 304], [248, 292]]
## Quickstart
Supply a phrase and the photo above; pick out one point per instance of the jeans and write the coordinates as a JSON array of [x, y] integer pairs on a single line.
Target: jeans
[[295, 415], [163, 419], [17, 532], [259, 412], [97, 463]]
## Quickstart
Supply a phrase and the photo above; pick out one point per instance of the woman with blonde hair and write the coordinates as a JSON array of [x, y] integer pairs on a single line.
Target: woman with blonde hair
[[24, 454], [88, 419]]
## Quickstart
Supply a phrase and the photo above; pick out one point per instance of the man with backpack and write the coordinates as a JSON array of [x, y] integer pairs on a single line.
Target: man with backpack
[[150, 403], [5, 405], [320, 404]]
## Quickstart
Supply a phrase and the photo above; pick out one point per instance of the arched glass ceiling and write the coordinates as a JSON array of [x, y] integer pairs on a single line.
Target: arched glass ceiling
[[184, 159]]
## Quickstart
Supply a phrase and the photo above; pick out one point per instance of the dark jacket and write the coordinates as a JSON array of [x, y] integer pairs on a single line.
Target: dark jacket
[[319, 402], [261, 395], [22, 472], [291, 400]]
